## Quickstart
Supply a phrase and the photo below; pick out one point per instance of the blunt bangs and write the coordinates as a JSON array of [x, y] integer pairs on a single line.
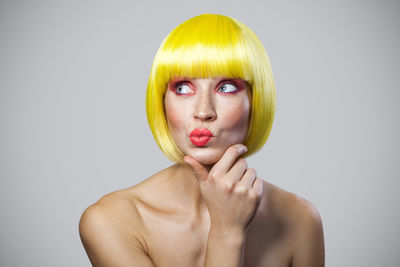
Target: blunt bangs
[[207, 47]]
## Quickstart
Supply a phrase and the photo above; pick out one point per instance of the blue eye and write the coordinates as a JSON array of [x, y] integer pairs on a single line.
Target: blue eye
[[183, 89], [227, 88]]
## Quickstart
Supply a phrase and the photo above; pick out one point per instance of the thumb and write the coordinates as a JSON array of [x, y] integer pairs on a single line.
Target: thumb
[[200, 172]]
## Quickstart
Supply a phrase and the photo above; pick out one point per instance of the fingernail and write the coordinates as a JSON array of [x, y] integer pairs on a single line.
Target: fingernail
[[244, 149]]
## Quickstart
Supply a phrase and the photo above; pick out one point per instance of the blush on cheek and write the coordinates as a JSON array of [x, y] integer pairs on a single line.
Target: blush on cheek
[[238, 116], [173, 118], [238, 123], [175, 121], [170, 113]]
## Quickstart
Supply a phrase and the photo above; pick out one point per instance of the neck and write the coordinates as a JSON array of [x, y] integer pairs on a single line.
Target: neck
[[187, 188]]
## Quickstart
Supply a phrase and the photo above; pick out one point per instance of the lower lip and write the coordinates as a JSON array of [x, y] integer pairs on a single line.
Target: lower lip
[[200, 140]]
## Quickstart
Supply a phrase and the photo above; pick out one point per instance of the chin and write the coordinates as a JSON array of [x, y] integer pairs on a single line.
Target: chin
[[206, 156]]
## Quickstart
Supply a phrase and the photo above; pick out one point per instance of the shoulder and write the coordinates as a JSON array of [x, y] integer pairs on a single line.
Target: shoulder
[[305, 229], [122, 207], [107, 207], [293, 209], [110, 231], [301, 212], [114, 213]]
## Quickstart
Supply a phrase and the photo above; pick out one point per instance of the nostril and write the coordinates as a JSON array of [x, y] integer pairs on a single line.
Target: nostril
[[207, 117], [211, 117]]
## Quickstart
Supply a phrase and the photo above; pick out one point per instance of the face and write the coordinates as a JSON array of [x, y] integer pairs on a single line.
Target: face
[[206, 116]]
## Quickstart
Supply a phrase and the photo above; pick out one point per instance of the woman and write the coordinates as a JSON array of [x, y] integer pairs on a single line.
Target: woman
[[210, 103]]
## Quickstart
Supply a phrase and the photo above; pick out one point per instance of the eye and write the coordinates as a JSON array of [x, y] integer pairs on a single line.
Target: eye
[[183, 89], [227, 88]]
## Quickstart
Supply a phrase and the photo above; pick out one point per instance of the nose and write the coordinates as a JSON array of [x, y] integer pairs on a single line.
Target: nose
[[204, 108]]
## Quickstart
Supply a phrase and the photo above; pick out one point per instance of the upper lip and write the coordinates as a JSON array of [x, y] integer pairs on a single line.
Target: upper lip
[[201, 132]]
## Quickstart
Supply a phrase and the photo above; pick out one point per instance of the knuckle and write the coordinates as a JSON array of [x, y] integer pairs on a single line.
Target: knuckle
[[241, 190], [228, 185], [213, 175], [252, 172], [253, 195]]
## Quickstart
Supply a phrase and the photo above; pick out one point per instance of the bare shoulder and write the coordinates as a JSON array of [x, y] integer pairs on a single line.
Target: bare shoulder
[[120, 210], [115, 208], [297, 209], [110, 232], [305, 229], [115, 213]]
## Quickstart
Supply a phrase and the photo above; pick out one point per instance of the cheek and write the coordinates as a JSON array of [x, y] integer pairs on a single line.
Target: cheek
[[236, 116], [173, 114]]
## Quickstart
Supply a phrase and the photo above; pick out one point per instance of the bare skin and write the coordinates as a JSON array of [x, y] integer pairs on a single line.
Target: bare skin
[[212, 211], [154, 224]]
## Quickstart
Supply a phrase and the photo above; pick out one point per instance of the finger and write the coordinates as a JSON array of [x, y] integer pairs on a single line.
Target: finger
[[258, 186], [235, 174], [200, 172], [248, 178], [229, 157]]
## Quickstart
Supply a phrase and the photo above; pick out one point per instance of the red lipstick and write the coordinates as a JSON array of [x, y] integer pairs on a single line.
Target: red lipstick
[[200, 136]]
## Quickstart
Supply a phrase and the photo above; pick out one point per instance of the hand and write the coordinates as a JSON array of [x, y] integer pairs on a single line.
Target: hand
[[231, 190]]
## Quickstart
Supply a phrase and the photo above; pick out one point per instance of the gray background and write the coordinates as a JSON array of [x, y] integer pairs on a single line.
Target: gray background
[[73, 125]]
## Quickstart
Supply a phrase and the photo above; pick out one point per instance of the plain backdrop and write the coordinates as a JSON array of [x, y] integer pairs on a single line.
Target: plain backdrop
[[73, 78]]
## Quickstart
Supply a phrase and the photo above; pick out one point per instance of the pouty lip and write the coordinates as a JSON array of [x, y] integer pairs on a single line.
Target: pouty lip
[[201, 132]]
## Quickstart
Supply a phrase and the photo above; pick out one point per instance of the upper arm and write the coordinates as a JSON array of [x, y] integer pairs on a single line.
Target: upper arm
[[106, 244], [309, 249]]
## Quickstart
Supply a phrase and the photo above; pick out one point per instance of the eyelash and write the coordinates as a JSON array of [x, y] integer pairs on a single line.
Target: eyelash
[[179, 83]]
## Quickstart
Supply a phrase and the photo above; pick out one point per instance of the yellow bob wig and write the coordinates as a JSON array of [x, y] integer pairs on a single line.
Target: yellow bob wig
[[209, 46]]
